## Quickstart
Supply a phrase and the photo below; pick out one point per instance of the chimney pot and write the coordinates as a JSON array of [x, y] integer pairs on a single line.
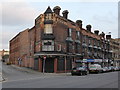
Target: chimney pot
[[88, 27], [65, 14], [56, 10], [108, 36], [103, 34], [79, 23], [96, 32]]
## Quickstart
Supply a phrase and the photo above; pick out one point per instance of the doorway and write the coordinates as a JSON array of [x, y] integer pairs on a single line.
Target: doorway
[[49, 65]]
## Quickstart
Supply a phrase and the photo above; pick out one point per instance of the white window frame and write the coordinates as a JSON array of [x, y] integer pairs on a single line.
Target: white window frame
[[48, 47]]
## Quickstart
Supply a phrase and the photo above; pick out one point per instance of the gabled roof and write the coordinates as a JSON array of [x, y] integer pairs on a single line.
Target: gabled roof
[[48, 10]]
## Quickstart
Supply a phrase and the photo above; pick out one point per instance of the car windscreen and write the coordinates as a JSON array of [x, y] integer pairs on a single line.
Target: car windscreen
[[81, 68]]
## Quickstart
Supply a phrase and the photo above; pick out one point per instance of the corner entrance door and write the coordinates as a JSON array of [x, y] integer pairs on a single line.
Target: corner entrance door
[[49, 65]]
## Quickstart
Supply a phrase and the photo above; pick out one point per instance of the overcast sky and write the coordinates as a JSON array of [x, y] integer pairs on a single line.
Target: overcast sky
[[17, 16]]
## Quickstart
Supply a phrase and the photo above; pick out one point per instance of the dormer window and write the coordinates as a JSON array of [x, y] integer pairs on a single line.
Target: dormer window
[[48, 29]]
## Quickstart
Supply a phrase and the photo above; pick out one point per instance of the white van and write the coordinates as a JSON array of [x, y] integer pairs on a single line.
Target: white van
[[95, 68]]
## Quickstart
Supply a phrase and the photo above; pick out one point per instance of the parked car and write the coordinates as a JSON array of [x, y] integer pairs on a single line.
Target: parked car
[[119, 68], [105, 69], [79, 71], [111, 68], [95, 68], [116, 68]]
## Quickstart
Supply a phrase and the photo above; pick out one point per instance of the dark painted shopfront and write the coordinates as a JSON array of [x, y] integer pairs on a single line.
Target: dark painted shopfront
[[54, 63]]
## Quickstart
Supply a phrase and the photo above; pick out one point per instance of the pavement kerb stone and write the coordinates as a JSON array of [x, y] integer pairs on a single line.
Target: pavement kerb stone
[[1, 78], [23, 69]]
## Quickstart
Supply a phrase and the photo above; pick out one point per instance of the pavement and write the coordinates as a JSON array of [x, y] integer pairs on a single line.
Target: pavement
[[1, 75], [28, 70], [16, 73]]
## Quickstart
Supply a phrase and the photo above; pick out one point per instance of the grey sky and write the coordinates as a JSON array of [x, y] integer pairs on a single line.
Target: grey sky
[[17, 16]]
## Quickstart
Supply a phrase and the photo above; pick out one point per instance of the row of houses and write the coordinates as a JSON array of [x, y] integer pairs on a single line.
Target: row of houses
[[4, 55], [56, 44]]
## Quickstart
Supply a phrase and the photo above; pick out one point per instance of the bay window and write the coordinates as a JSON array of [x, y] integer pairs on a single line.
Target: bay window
[[48, 29], [48, 45]]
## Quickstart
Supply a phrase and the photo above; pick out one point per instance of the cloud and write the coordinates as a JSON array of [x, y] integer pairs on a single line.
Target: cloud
[[17, 13]]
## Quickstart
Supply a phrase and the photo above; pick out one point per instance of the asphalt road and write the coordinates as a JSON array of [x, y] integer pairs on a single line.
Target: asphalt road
[[20, 79]]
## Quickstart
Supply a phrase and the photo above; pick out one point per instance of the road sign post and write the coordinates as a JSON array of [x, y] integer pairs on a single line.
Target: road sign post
[[44, 57]]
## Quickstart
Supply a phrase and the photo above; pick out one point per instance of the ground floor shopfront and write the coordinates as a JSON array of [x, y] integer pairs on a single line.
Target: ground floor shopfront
[[50, 62], [53, 63], [59, 63]]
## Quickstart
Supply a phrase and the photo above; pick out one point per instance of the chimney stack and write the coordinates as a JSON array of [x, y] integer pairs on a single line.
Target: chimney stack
[[103, 34], [65, 14], [108, 36], [79, 23], [56, 10], [96, 32], [88, 27]]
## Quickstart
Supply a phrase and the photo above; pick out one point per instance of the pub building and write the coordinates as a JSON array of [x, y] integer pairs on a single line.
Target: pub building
[[57, 44]]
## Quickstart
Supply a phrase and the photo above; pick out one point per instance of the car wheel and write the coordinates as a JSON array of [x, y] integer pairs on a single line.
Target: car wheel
[[80, 74], [98, 72]]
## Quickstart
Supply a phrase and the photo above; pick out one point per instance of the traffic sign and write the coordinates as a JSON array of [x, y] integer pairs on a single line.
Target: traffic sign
[[44, 57]]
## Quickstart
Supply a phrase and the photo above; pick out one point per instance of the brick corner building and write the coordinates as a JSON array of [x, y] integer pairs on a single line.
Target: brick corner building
[[59, 43]]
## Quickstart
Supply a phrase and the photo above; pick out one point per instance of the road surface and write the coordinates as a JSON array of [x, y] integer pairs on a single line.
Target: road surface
[[20, 79]]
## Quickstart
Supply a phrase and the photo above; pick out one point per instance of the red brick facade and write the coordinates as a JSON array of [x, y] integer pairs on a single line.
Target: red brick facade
[[61, 40], [19, 49]]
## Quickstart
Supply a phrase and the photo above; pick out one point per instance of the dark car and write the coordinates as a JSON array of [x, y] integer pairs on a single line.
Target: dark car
[[79, 71]]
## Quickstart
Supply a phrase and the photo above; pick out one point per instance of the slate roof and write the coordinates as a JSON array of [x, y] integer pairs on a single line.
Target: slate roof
[[48, 10]]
